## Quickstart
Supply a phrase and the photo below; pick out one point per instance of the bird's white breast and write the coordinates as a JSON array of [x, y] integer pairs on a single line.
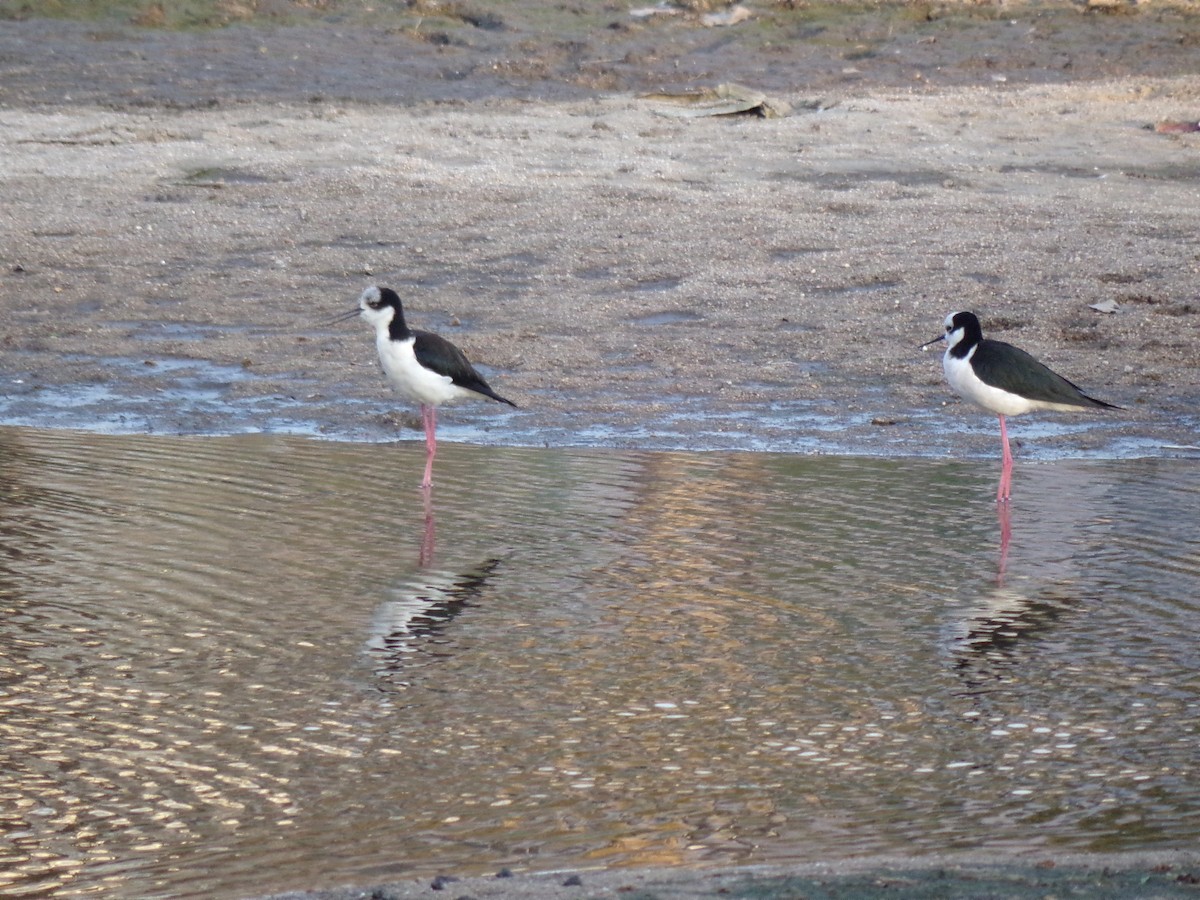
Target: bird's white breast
[[412, 380], [963, 379]]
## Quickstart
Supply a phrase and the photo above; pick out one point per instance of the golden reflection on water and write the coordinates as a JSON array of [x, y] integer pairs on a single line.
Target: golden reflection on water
[[242, 665]]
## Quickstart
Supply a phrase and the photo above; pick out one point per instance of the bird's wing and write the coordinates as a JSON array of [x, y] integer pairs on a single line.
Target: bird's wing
[[1012, 369], [438, 355]]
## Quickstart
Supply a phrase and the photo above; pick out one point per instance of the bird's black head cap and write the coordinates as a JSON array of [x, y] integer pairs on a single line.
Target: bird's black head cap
[[377, 302], [964, 332]]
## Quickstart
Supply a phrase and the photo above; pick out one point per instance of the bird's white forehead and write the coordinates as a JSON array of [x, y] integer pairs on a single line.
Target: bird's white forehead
[[950, 320], [370, 297]]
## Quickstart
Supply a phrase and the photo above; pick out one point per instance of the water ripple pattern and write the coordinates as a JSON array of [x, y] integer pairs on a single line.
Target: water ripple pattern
[[250, 664]]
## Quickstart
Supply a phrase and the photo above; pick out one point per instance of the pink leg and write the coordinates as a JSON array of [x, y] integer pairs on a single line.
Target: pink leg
[[1005, 489], [429, 417]]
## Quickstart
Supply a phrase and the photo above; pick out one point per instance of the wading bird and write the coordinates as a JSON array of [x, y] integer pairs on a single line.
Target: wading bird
[[1005, 380], [420, 366]]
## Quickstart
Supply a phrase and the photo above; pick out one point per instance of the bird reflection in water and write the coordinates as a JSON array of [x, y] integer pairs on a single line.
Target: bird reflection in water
[[408, 628], [987, 639]]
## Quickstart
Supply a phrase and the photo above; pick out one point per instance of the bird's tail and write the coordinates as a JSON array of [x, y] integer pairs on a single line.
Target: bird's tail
[[494, 396]]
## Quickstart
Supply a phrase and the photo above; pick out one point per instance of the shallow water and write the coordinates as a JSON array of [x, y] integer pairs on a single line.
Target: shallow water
[[196, 397], [246, 664]]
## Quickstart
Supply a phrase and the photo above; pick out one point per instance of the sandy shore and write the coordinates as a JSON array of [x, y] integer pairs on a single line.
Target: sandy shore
[[610, 263]]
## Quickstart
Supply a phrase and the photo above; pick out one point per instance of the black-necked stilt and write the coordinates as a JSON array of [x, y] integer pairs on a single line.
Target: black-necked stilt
[[1005, 380], [419, 365]]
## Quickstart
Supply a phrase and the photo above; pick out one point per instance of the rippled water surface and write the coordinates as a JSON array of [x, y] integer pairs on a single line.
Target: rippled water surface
[[240, 665]]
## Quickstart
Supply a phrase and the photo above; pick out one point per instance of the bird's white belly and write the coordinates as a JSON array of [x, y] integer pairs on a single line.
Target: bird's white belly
[[961, 377], [411, 380]]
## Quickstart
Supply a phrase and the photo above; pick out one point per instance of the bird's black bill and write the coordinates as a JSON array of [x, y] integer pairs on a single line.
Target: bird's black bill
[[940, 337], [348, 314]]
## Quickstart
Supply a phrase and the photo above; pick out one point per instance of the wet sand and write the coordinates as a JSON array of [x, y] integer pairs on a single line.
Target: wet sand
[[1164, 875], [607, 261]]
